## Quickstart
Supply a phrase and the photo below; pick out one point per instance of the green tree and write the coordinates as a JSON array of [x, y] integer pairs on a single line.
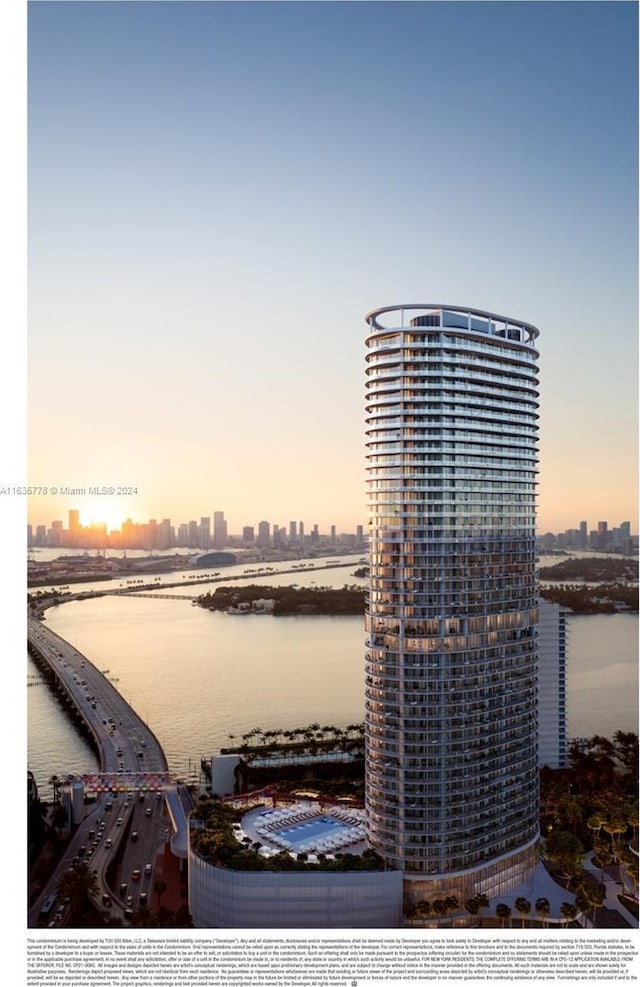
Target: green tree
[[78, 885], [472, 905], [503, 912], [452, 906], [483, 902], [602, 858], [591, 895], [424, 910], [615, 824], [543, 909], [594, 823], [439, 908], [565, 850], [569, 911], [523, 907]]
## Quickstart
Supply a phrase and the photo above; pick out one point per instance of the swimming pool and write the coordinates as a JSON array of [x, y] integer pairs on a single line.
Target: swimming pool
[[316, 829]]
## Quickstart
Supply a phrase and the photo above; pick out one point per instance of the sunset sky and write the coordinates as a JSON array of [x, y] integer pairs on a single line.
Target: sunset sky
[[218, 193]]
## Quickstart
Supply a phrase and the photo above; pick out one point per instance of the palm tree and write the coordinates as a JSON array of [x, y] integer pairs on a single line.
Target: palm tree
[[440, 908], [569, 911], [592, 896], [524, 908], [452, 905], [424, 910], [602, 858], [566, 850], [594, 823], [411, 911], [78, 884], [543, 909], [472, 905], [483, 902], [615, 824], [503, 912]]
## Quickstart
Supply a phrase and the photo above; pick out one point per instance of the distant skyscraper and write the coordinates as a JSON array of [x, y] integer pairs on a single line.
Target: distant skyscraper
[[248, 535], [150, 534], [301, 532], [164, 534], [584, 534], [293, 532], [220, 537], [55, 534], [264, 534], [603, 534], [451, 736], [205, 532]]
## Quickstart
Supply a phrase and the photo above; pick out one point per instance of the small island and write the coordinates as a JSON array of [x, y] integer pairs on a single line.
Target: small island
[[286, 600], [592, 569], [619, 597], [616, 590]]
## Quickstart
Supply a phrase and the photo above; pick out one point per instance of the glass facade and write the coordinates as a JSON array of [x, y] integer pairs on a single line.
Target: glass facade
[[451, 676]]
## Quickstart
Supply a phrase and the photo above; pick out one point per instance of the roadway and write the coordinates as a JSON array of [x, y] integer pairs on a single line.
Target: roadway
[[129, 752]]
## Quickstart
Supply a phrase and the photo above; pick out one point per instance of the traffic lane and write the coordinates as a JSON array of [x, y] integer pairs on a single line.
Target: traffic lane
[[138, 858], [111, 718], [79, 849]]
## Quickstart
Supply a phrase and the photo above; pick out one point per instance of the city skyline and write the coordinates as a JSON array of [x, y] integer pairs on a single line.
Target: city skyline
[[236, 529], [218, 192]]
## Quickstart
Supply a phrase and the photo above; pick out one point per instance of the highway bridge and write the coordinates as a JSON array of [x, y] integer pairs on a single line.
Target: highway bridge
[[139, 806]]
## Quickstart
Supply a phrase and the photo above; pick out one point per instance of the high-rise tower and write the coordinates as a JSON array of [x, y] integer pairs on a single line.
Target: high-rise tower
[[451, 723]]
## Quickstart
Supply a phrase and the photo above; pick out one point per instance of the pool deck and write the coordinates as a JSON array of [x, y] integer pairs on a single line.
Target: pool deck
[[303, 812]]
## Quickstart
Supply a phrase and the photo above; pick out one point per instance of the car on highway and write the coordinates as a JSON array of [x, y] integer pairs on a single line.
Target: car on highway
[[119, 821], [108, 844], [134, 836], [147, 812], [135, 874], [147, 868], [142, 900], [123, 888]]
